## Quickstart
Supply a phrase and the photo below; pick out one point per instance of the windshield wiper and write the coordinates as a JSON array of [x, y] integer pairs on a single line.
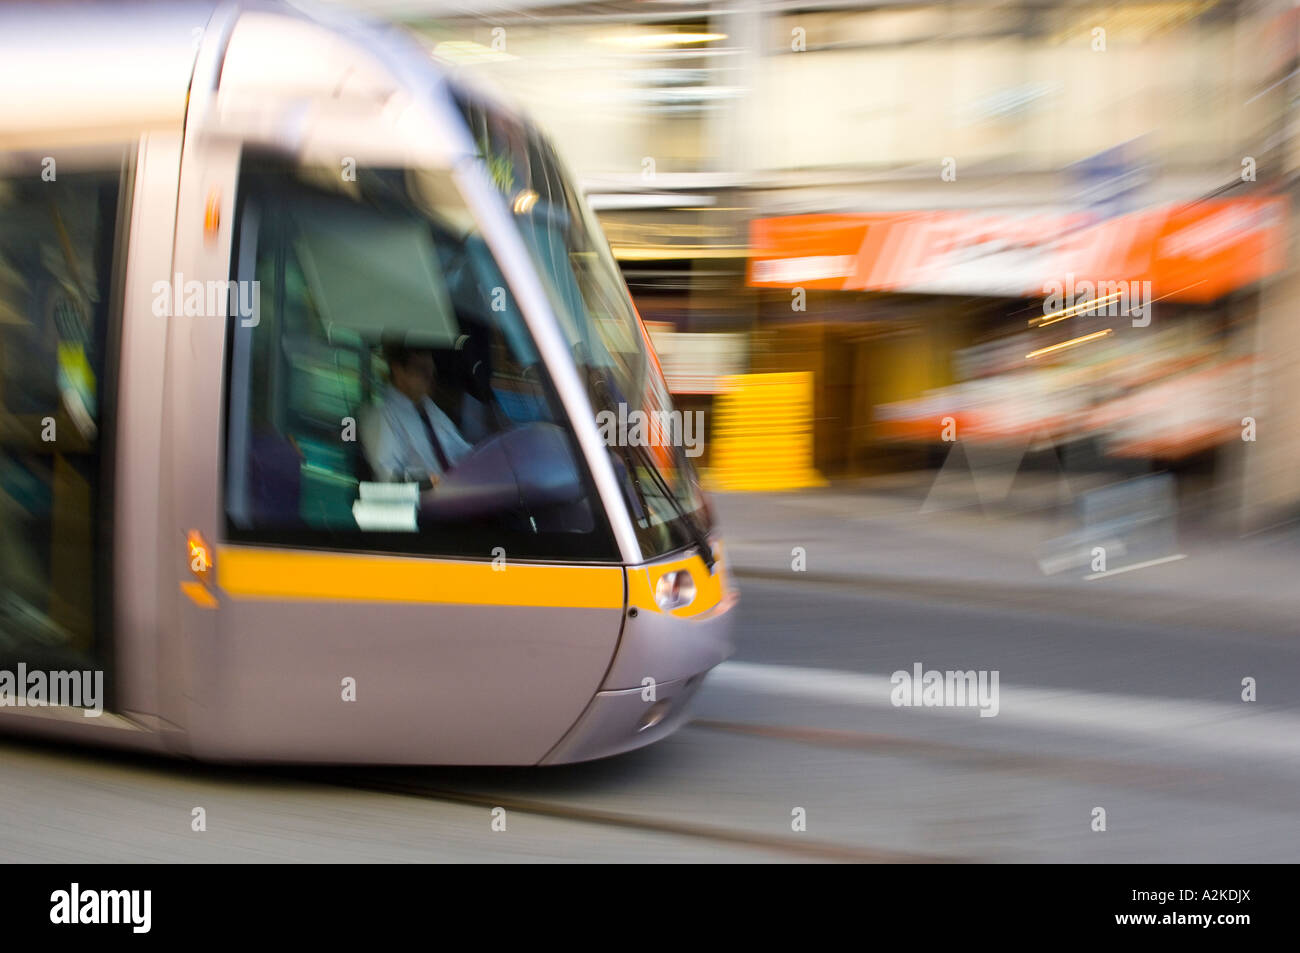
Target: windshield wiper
[[699, 534]]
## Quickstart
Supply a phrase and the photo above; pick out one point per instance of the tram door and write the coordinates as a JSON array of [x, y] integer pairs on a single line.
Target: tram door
[[61, 221], [408, 560]]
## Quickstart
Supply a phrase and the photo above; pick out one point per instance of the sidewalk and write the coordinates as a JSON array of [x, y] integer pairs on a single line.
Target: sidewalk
[[889, 534]]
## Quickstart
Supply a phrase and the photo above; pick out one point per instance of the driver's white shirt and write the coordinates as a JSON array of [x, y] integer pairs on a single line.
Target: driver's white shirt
[[395, 443]]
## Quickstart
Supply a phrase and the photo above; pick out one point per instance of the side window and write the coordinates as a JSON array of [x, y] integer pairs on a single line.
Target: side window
[[385, 393], [57, 247]]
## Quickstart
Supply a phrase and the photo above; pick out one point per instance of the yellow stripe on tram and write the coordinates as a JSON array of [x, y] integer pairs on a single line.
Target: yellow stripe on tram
[[199, 595], [249, 573]]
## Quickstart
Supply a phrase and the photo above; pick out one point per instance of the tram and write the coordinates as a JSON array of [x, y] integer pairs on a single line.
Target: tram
[[303, 341]]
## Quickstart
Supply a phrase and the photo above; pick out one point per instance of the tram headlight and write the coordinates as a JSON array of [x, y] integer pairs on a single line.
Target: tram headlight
[[674, 590]]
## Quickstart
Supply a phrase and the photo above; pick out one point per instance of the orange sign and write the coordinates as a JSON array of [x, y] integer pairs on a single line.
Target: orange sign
[[1191, 252]]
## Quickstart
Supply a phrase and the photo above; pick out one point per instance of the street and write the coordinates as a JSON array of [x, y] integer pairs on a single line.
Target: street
[[1143, 721]]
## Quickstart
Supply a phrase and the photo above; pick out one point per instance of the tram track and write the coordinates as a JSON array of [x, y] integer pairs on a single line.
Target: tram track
[[1088, 770], [793, 844]]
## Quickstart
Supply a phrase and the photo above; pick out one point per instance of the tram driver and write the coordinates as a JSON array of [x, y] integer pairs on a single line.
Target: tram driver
[[408, 438]]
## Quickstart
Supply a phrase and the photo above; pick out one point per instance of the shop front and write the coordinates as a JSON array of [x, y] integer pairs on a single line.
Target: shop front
[[1123, 339]]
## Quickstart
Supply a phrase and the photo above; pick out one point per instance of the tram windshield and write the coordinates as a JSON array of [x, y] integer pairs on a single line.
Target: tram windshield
[[625, 384], [383, 391]]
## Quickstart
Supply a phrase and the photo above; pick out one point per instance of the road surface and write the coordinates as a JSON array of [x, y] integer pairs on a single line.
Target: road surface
[[1140, 721]]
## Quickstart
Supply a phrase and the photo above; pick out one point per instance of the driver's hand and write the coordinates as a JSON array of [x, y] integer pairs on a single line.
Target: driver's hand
[[429, 492]]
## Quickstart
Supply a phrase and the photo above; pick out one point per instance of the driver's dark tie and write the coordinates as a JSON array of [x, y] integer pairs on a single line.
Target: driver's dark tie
[[433, 439]]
